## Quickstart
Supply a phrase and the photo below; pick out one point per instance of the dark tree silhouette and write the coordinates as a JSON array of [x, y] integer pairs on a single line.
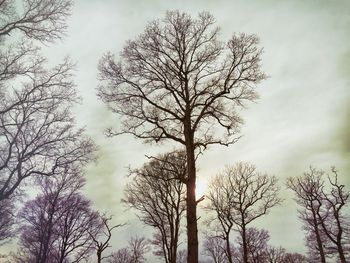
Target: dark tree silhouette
[[133, 253], [322, 205], [42, 20], [159, 196], [57, 224], [102, 238], [238, 196], [257, 247], [177, 81], [37, 135], [7, 219], [306, 189]]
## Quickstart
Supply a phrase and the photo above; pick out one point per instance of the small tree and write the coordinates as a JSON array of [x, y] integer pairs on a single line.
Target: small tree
[[177, 81], [238, 196], [279, 255], [215, 248], [322, 205], [275, 254], [133, 253], [295, 258], [158, 194], [106, 233], [58, 222]]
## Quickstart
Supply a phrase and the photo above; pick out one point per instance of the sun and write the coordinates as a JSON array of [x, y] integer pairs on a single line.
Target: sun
[[201, 187]]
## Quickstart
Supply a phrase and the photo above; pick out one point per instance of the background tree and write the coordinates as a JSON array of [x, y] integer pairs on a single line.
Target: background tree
[[295, 258], [7, 219], [133, 253], [238, 196], [158, 194], [322, 205], [177, 81], [106, 233], [306, 189], [335, 224], [257, 245], [215, 248], [275, 254], [57, 224]]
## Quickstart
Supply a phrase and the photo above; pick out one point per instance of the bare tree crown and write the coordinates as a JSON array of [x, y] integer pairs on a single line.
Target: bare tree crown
[[241, 194], [37, 131], [43, 20], [178, 76]]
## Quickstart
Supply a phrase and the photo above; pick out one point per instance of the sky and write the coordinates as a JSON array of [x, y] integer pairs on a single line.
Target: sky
[[302, 117]]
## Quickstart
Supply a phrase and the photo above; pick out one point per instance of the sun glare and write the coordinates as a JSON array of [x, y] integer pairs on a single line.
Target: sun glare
[[201, 187]]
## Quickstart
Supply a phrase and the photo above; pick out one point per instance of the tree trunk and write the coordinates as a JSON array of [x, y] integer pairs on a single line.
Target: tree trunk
[[174, 245], [341, 253], [99, 253], [318, 238], [228, 247], [191, 212], [48, 232], [244, 241], [339, 239]]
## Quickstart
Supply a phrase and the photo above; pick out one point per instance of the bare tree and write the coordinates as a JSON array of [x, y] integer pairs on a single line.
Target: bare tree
[[7, 219], [122, 255], [177, 81], [158, 195], [238, 196], [275, 254], [215, 248], [257, 247], [57, 224], [306, 189], [133, 253], [295, 258], [322, 205], [42, 20], [106, 233], [37, 134], [333, 221]]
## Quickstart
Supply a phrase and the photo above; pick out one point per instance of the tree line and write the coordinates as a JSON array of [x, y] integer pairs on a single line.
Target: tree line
[[177, 81]]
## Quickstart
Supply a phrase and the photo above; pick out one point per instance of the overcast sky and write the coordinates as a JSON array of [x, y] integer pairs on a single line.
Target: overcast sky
[[301, 119]]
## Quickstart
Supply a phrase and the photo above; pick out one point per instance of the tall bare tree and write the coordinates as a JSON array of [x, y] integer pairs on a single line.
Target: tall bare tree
[[238, 196], [322, 203], [177, 81], [37, 133], [158, 194]]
